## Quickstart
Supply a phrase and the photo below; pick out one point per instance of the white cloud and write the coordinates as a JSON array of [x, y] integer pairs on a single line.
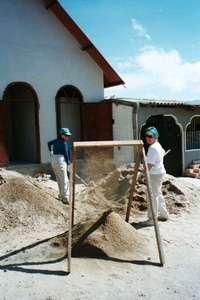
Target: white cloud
[[156, 73], [140, 30]]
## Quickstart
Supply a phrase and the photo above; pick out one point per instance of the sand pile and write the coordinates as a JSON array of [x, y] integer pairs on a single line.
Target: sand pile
[[25, 202], [118, 239], [112, 191], [26, 205], [30, 212], [105, 236]]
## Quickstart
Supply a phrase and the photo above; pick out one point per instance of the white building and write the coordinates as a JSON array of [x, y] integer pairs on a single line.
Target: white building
[[178, 123], [50, 74]]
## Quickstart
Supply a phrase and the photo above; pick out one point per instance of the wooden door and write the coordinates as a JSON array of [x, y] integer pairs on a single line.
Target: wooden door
[[97, 126], [3, 134], [97, 121]]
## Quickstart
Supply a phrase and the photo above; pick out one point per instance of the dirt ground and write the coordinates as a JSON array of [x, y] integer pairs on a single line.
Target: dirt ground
[[32, 267]]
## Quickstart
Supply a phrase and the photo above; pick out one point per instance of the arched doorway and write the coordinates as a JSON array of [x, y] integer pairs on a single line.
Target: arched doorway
[[68, 110], [170, 138], [23, 141]]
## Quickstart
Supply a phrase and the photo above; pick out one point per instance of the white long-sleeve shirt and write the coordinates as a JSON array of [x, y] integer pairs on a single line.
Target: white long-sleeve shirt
[[155, 156]]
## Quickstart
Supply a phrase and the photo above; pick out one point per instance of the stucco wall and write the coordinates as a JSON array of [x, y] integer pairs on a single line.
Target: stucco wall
[[123, 126], [182, 117], [37, 49]]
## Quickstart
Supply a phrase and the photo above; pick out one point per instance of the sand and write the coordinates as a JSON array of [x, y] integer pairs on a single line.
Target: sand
[[30, 214], [118, 239]]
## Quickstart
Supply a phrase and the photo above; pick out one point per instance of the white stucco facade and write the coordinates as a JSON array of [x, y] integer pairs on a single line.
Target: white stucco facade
[[37, 49]]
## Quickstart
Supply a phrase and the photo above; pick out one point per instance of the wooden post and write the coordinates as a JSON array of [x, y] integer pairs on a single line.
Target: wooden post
[[73, 181], [71, 205], [70, 220], [155, 222], [134, 180]]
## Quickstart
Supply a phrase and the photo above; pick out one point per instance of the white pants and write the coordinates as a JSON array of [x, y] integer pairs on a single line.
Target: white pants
[[59, 167], [158, 199]]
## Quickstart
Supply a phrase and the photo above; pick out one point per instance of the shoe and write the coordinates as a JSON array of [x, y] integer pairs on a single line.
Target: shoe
[[163, 216], [65, 200]]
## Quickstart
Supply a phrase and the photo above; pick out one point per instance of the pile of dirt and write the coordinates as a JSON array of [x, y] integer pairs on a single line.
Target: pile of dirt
[[112, 191], [105, 236], [33, 220], [23, 203], [118, 239]]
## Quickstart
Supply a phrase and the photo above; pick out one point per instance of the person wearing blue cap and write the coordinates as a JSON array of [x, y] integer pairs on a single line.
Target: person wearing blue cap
[[157, 172], [60, 162]]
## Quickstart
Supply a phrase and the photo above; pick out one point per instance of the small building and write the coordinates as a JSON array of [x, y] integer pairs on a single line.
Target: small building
[[177, 122], [52, 76]]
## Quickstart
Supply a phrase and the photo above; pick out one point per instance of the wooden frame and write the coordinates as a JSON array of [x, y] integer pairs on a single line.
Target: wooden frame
[[140, 157]]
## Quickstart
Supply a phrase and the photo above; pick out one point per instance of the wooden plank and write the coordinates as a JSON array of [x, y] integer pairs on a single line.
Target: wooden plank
[[69, 245], [155, 222], [73, 181], [71, 206], [108, 143]]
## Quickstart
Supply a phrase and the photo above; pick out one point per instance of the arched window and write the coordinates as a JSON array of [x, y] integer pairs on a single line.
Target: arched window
[[68, 110], [69, 93], [193, 134]]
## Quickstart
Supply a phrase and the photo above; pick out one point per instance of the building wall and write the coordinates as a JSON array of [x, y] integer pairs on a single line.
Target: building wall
[[182, 117], [124, 120], [37, 49]]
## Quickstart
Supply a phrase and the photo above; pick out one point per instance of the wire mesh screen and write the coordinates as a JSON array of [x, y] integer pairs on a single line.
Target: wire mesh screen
[[103, 181], [103, 177]]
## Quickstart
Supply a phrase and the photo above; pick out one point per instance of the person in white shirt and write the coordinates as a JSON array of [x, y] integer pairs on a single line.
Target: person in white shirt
[[154, 160]]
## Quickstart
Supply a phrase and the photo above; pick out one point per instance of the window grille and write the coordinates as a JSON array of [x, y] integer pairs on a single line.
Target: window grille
[[193, 134]]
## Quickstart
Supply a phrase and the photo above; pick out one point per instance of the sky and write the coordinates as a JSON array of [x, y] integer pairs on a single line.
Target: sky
[[154, 45]]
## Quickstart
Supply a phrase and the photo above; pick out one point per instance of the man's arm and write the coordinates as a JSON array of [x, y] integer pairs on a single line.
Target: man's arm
[[66, 153]]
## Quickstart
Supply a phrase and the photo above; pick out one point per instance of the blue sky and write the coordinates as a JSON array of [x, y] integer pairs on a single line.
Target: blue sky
[[153, 45]]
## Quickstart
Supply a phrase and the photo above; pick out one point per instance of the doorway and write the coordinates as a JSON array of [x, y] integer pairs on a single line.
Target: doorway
[[170, 138], [22, 119], [68, 110]]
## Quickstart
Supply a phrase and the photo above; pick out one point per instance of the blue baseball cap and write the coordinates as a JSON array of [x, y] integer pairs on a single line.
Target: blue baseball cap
[[152, 131], [65, 131]]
